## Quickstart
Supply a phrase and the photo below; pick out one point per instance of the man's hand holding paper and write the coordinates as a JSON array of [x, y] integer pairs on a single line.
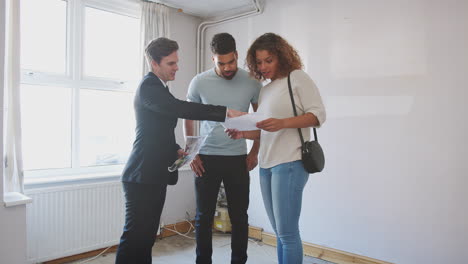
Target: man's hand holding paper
[[192, 147], [246, 122]]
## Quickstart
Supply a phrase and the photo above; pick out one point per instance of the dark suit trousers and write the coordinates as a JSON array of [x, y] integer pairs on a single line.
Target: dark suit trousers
[[232, 171], [143, 206]]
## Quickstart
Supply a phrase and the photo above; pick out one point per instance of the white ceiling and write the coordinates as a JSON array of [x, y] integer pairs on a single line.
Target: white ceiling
[[210, 8]]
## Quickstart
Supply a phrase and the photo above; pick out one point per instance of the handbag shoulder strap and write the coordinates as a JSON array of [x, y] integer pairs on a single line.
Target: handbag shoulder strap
[[295, 111]]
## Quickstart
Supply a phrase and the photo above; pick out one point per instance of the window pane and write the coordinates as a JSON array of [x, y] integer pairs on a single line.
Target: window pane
[[43, 35], [107, 126], [111, 45], [46, 126]]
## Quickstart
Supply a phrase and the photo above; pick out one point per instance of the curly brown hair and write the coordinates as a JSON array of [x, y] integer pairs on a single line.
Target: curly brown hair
[[288, 58]]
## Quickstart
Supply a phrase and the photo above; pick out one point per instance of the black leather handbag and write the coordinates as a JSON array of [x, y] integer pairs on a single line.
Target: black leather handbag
[[312, 153]]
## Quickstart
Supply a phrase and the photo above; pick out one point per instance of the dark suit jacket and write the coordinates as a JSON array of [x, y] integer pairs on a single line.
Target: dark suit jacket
[[155, 148]]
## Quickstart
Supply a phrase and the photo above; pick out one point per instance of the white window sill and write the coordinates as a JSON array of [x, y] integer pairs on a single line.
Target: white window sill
[[44, 182], [11, 199], [51, 181]]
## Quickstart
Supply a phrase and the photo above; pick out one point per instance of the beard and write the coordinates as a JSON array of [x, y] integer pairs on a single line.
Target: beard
[[229, 77]]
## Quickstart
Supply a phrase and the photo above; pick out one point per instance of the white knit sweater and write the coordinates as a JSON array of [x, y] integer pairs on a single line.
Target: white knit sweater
[[274, 101]]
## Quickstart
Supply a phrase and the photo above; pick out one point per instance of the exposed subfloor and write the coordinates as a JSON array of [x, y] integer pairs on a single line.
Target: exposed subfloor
[[181, 250]]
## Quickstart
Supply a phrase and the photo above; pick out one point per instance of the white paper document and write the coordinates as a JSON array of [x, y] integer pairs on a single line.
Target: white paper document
[[246, 122], [193, 145]]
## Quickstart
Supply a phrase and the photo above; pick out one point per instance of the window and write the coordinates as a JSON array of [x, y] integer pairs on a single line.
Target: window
[[44, 35], [80, 64]]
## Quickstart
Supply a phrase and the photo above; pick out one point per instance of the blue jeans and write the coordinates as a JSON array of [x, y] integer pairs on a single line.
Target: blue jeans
[[282, 188]]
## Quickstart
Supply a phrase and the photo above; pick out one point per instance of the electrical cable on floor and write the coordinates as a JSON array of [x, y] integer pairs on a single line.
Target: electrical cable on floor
[[191, 229], [190, 222], [95, 257], [181, 234]]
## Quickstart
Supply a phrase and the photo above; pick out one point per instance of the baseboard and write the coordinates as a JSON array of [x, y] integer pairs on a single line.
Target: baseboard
[[182, 227], [317, 251], [84, 255], [255, 232]]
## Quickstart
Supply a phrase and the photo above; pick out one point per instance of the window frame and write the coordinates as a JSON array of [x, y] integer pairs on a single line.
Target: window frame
[[73, 78]]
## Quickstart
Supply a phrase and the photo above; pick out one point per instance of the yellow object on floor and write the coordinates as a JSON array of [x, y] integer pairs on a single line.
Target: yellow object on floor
[[221, 220]]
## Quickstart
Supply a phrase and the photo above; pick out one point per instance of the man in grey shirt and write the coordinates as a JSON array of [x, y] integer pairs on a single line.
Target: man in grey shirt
[[222, 159]]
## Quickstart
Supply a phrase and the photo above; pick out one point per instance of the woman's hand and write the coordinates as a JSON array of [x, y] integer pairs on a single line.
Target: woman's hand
[[252, 161], [234, 133], [271, 124]]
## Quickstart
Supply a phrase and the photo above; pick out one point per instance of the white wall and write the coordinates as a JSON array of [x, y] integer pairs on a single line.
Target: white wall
[[183, 29], [180, 198], [393, 76], [12, 219], [12, 234]]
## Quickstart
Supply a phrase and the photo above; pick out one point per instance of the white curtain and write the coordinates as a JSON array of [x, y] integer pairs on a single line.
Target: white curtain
[[13, 155], [154, 24]]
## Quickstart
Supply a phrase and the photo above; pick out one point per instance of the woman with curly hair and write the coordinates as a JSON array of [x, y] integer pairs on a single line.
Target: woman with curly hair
[[282, 175]]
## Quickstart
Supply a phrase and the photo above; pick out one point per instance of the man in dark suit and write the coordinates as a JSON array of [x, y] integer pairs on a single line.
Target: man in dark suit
[[146, 176]]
